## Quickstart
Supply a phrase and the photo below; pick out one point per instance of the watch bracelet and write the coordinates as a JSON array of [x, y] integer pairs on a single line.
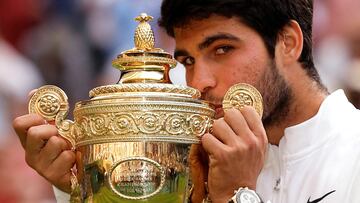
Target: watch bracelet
[[245, 188]]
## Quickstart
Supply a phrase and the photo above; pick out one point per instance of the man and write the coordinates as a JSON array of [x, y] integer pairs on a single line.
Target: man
[[304, 149]]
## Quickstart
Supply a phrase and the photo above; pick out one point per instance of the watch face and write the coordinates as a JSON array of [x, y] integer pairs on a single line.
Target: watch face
[[246, 196]]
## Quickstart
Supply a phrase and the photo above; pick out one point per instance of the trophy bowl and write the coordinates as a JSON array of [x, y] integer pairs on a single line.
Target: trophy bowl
[[132, 139]]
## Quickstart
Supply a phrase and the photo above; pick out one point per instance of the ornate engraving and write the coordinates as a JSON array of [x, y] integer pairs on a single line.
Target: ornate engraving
[[178, 127], [239, 99], [136, 178], [150, 59], [141, 87], [175, 124], [48, 101], [198, 124], [149, 123], [49, 104], [240, 95], [123, 123], [98, 125]]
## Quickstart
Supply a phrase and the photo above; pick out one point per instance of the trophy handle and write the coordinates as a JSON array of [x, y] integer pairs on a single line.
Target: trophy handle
[[51, 103]]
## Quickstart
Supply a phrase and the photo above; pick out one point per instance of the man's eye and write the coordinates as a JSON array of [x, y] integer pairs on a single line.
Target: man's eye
[[223, 50], [188, 61]]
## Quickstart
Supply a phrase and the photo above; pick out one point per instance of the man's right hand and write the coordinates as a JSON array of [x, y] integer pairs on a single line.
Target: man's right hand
[[45, 151]]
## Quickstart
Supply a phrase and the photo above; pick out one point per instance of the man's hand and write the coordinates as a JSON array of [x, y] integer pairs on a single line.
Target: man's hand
[[236, 149], [199, 163], [45, 151]]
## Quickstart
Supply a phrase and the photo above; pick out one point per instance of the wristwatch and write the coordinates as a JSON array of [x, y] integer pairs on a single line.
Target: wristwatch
[[245, 195]]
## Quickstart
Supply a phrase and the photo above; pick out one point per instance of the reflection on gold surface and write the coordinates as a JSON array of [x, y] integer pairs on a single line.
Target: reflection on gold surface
[[135, 171]]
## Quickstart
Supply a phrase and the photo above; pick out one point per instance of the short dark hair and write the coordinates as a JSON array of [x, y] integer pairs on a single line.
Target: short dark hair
[[267, 17]]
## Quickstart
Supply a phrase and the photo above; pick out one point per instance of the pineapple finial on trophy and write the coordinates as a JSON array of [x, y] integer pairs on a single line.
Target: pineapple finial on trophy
[[144, 63], [144, 35]]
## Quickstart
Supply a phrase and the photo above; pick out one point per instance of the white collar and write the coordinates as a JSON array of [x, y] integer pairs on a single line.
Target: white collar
[[303, 138]]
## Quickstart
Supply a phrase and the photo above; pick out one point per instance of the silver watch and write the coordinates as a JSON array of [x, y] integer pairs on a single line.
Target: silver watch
[[245, 195]]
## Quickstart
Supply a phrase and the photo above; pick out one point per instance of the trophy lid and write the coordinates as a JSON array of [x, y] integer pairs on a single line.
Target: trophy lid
[[144, 63], [145, 69]]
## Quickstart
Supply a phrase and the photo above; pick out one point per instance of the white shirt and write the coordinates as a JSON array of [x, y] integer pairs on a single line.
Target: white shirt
[[316, 157]]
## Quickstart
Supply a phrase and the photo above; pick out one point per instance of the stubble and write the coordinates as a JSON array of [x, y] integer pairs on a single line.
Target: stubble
[[277, 96]]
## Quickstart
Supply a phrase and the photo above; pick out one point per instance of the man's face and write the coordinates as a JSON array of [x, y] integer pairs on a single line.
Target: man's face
[[219, 52]]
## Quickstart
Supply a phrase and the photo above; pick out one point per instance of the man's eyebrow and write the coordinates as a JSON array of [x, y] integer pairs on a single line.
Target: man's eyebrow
[[211, 39], [180, 52], [207, 42]]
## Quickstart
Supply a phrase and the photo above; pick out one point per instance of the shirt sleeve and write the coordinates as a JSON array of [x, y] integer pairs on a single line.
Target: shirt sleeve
[[60, 196]]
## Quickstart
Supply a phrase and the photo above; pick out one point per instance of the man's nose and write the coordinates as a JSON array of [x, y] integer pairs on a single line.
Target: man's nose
[[202, 78]]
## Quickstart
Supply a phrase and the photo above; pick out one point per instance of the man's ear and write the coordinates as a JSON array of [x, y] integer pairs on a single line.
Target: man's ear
[[290, 43]]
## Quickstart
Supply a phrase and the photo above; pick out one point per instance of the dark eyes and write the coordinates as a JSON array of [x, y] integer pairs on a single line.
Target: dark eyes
[[188, 61], [223, 50], [218, 51]]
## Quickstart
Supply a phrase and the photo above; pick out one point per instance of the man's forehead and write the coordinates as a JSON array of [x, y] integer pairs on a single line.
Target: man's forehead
[[199, 22], [214, 23], [212, 29]]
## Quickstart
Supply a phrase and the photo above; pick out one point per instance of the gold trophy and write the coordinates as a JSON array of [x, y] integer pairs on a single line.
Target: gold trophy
[[132, 139]]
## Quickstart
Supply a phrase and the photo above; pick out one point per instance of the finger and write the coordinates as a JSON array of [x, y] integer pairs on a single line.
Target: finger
[[23, 123], [211, 144], [37, 137], [65, 183], [59, 171], [195, 155], [62, 164], [32, 92], [237, 122], [199, 168], [254, 122], [223, 132], [198, 157], [53, 148]]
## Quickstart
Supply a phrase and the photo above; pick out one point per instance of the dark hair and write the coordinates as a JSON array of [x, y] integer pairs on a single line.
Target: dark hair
[[267, 17]]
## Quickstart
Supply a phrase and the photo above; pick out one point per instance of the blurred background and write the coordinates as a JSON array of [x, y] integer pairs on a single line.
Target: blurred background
[[71, 44]]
